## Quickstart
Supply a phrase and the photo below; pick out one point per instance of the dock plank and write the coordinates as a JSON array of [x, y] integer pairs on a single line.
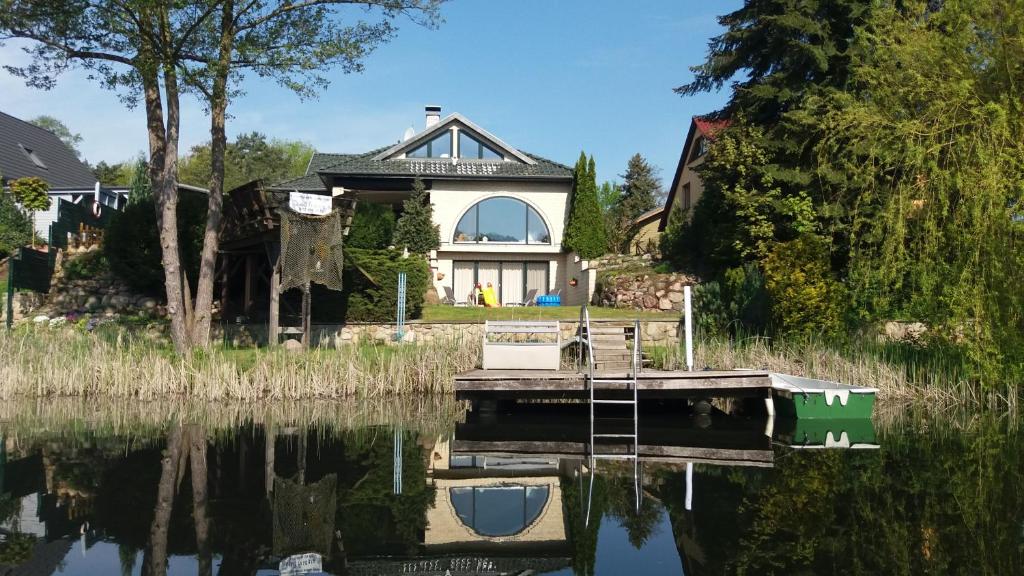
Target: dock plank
[[526, 381]]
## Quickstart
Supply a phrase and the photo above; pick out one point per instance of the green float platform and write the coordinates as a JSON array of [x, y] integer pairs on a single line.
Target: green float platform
[[808, 398]]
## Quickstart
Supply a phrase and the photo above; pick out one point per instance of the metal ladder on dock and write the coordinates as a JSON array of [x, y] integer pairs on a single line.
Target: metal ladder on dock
[[596, 384]]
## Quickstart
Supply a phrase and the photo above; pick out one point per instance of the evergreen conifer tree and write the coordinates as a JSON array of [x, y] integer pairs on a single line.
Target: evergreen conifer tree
[[415, 229], [585, 233]]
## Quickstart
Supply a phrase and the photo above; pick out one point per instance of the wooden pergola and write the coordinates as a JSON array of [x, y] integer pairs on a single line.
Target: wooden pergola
[[251, 241]]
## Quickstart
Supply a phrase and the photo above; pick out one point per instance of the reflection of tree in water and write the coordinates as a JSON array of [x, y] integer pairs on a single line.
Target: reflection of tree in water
[[639, 524], [937, 502], [373, 520], [583, 537]]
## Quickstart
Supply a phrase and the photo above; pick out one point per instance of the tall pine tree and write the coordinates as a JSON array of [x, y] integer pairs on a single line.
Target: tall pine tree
[[640, 191], [584, 232], [415, 229], [782, 58]]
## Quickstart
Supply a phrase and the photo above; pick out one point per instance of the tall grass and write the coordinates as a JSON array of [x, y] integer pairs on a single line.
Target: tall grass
[[903, 376], [41, 362]]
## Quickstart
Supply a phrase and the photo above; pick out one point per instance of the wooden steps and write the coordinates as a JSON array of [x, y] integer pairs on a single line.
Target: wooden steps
[[611, 352]]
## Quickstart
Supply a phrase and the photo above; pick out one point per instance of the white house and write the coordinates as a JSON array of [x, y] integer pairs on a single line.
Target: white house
[[28, 150], [501, 211]]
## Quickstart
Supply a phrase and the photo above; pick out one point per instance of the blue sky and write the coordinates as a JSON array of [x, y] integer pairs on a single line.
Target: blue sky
[[551, 77]]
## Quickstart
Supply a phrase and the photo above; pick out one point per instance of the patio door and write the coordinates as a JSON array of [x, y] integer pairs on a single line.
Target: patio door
[[463, 280], [511, 283], [537, 277], [489, 272]]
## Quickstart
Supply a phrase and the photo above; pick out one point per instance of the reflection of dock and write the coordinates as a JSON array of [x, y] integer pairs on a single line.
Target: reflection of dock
[[543, 434], [650, 384]]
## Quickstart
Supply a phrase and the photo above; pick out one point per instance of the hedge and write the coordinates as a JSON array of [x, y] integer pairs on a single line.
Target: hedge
[[371, 284]]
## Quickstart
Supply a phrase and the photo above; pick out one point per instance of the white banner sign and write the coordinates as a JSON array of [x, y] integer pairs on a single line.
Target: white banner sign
[[311, 204], [301, 564]]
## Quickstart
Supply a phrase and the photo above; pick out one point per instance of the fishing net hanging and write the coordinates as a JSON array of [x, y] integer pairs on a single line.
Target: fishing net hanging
[[304, 515], [311, 249]]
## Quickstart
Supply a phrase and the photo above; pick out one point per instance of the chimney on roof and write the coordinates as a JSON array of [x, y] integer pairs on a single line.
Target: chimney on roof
[[433, 115]]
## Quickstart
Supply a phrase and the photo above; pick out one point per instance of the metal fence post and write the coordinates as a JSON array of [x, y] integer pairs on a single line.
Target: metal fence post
[[10, 290], [401, 307]]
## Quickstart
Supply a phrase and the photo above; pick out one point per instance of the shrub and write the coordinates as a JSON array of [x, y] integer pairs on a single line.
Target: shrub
[[804, 296], [373, 225], [15, 226], [415, 229], [131, 242], [85, 266], [371, 284]]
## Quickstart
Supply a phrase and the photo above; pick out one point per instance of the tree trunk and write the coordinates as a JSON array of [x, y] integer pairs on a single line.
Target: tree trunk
[[197, 457], [155, 562], [215, 205]]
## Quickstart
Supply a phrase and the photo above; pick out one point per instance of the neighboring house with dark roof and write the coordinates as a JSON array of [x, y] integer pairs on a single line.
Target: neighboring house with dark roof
[[501, 211], [687, 186], [28, 150]]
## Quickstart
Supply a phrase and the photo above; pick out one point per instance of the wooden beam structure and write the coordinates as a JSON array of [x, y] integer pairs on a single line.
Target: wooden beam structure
[[650, 384]]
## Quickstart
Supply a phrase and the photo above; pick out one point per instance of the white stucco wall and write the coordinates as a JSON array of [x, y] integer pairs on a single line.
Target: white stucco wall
[[451, 200]]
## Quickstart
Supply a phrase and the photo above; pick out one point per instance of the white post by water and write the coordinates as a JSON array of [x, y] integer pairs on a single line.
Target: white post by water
[[689, 486], [688, 318]]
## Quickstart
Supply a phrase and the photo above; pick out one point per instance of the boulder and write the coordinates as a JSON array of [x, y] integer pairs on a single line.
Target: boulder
[[664, 304], [292, 345]]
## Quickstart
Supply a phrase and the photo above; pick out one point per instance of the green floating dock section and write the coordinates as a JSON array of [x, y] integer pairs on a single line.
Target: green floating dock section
[[822, 433], [812, 405]]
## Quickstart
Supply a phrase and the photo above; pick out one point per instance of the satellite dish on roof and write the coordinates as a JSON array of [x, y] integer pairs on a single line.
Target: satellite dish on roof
[[409, 133]]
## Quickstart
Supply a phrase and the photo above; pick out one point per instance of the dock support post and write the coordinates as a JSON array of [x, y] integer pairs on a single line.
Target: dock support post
[[688, 321], [689, 485]]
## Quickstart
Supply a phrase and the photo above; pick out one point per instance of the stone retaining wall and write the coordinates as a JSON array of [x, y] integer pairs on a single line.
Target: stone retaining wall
[[643, 291], [655, 332]]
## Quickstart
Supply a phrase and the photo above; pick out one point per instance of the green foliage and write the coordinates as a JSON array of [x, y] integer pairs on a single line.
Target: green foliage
[[31, 192], [780, 50], [117, 174], [15, 226], [929, 170], [371, 284], [415, 229], [804, 296], [131, 242], [639, 193], [743, 210], [584, 230], [86, 266], [140, 188], [250, 157], [373, 226], [69, 138]]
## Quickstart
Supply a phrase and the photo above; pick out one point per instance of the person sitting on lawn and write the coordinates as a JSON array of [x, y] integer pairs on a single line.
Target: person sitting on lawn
[[490, 297]]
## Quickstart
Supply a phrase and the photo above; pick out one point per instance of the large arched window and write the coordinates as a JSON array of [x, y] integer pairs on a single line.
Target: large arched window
[[499, 510], [502, 220]]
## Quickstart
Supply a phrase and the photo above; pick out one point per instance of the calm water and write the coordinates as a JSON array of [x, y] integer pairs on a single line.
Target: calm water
[[508, 494]]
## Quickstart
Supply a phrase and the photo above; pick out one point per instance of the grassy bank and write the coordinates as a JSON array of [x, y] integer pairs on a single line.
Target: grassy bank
[[64, 362], [902, 374]]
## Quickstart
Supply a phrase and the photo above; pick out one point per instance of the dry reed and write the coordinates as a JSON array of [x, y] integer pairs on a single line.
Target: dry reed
[[63, 362], [898, 383], [27, 419]]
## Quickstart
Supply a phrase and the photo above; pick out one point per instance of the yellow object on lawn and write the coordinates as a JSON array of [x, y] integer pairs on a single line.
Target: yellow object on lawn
[[490, 298]]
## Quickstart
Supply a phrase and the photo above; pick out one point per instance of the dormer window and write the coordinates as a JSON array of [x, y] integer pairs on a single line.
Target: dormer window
[[470, 147], [440, 147], [33, 157]]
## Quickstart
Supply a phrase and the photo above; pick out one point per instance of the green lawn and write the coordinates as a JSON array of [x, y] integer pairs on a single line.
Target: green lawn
[[442, 313]]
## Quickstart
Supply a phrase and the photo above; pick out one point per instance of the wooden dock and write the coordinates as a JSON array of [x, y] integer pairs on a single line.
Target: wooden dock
[[554, 433], [651, 384]]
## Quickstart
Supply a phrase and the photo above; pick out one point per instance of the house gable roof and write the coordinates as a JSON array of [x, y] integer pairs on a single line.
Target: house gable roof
[[365, 165], [699, 125], [63, 169], [444, 124]]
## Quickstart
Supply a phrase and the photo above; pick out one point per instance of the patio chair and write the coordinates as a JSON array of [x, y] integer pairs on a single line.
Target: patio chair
[[531, 298], [449, 296]]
